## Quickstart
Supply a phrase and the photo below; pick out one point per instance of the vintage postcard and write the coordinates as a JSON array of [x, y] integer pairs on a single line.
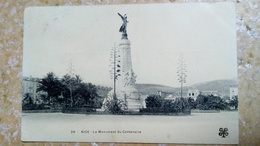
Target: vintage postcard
[[150, 73]]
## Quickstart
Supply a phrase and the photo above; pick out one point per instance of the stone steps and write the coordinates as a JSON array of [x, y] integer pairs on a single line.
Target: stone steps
[[134, 105]]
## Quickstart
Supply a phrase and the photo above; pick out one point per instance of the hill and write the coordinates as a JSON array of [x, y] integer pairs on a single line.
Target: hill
[[217, 85], [153, 88]]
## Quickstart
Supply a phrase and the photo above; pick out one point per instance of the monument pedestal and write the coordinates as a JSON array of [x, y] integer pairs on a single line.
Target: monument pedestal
[[133, 105], [132, 98], [130, 95]]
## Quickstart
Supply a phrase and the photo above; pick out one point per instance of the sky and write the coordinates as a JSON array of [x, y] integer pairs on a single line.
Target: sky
[[204, 34]]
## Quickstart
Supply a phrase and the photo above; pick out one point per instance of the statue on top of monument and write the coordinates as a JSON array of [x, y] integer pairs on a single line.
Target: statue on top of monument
[[123, 27]]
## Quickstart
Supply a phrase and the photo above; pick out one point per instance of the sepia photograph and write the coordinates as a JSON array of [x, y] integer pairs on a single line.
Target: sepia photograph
[[149, 73]]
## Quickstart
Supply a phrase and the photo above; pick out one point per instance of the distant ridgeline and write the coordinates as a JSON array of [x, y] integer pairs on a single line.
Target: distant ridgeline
[[217, 87]]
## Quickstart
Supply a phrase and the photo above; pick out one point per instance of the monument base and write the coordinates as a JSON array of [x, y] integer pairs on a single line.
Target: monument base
[[133, 105], [132, 99], [130, 95]]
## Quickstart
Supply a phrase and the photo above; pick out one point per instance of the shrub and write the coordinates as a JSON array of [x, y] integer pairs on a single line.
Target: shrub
[[115, 106], [156, 104], [211, 103], [35, 107], [153, 101], [234, 102], [78, 110], [202, 107], [97, 102]]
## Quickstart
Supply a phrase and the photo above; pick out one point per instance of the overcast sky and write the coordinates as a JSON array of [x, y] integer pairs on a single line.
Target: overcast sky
[[159, 33]]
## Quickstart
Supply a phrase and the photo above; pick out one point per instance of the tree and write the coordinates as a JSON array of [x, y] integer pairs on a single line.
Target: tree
[[51, 85], [192, 103], [201, 99], [115, 72], [97, 102], [76, 92], [86, 92], [67, 82], [44, 98], [234, 102], [157, 104], [181, 72], [215, 103], [78, 79], [153, 101], [211, 102], [27, 99]]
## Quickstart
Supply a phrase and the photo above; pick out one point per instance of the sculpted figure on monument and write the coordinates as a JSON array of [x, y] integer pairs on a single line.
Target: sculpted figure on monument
[[123, 27], [130, 78]]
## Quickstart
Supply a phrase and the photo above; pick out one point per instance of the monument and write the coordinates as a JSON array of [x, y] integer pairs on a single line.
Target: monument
[[125, 83]]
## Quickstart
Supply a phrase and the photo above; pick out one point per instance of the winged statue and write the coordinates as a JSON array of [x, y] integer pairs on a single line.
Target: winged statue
[[123, 27]]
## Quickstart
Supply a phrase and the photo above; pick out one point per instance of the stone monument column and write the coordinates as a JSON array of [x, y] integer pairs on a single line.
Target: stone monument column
[[124, 48], [125, 84]]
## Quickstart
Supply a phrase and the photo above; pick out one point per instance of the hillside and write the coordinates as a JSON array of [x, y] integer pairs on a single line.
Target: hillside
[[153, 88], [217, 85]]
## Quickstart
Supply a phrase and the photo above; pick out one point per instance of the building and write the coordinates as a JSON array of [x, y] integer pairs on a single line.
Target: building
[[29, 86], [171, 95], [193, 93], [233, 91], [211, 92], [166, 95]]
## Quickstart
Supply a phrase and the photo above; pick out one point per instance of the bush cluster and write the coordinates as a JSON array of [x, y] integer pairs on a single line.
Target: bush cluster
[[61, 93], [210, 103], [115, 106], [35, 107], [157, 104]]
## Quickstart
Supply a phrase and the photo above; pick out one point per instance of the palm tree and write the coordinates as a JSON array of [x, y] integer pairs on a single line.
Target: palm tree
[[67, 82], [51, 85], [69, 85], [66, 79], [78, 79], [87, 92]]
